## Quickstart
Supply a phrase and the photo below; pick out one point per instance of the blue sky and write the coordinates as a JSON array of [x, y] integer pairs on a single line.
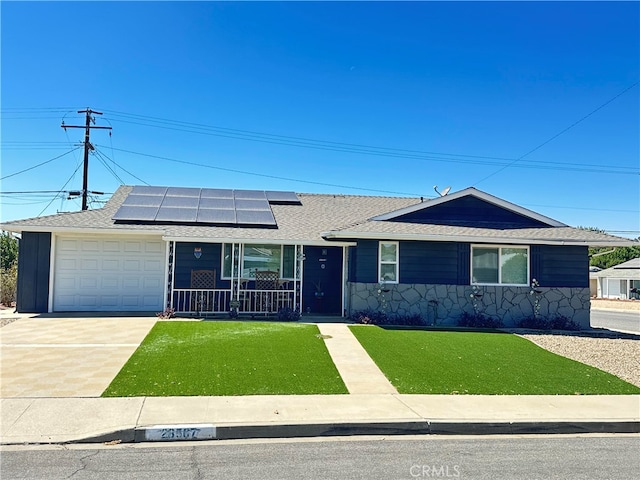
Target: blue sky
[[537, 103]]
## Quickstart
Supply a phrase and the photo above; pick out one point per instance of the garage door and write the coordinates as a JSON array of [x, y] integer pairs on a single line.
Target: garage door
[[108, 274]]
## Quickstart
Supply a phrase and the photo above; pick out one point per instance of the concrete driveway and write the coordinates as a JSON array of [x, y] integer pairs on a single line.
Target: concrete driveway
[[66, 357]]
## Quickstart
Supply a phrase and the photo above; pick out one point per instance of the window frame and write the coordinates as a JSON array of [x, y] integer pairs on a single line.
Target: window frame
[[396, 262], [241, 260], [500, 248]]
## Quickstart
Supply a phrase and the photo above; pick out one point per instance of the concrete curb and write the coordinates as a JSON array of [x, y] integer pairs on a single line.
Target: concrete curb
[[239, 432]]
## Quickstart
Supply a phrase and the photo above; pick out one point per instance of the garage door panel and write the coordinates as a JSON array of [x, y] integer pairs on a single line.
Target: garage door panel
[[97, 274]]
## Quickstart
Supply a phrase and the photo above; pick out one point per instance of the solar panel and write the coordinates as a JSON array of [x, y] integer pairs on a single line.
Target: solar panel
[[183, 192], [283, 198], [143, 200], [176, 214], [188, 202], [250, 194], [216, 193], [255, 217], [143, 214], [252, 204], [206, 205], [212, 215], [221, 203], [148, 190]]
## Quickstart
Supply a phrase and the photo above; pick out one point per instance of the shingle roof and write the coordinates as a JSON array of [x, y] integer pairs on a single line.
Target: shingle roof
[[304, 223], [629, 269], [321, 217]]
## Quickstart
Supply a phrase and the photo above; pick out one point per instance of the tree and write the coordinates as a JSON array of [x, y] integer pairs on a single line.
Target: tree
[[8, 250], [607, 257], [9, 268]]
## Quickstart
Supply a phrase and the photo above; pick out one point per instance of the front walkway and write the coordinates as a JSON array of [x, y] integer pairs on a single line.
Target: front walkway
[[359, 373]]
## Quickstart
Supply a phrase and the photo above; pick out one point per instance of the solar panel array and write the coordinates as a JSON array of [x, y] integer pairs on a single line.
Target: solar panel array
[[202, 205]]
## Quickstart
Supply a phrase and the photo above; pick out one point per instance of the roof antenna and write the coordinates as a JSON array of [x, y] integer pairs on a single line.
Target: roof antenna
[[444, 192]]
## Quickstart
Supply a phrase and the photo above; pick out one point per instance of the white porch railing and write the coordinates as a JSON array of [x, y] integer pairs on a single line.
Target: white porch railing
[[250, 301]]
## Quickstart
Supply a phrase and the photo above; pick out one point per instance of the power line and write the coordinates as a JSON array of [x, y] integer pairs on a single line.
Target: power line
[[120, 166], [558, 134], [61, 189], [39, 165], [263, 175], [354, 148]]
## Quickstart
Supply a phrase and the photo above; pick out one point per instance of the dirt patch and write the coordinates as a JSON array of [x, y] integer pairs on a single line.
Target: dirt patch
[[614, 304]]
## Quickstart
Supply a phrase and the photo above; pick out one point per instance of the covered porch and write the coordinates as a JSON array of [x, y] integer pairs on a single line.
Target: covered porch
[[253, 278]]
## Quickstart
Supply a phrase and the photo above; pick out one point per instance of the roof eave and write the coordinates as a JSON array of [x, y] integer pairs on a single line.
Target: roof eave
[[472, 239]]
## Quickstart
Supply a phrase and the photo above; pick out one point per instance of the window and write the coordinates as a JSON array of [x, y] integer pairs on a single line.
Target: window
[[262, 257], [500, 265], [388, 264]]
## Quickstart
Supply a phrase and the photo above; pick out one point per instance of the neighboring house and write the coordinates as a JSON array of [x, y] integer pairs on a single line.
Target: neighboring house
[[210, 251], [620, 281], [593, 280]]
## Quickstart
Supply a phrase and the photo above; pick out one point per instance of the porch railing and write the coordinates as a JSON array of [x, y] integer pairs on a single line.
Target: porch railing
[[249, 301]]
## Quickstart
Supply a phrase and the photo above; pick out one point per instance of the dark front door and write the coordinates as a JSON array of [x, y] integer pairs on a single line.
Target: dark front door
[[322, 280]]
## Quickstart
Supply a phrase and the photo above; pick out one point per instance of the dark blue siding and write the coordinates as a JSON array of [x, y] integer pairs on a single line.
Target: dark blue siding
[[464, 264], [560, 266], [429, 262], [33, 272], [470, 211], [367, 261], [353, 264], [185, 261]]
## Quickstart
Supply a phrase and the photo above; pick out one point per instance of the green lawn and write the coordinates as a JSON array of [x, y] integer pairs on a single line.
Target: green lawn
[[228, 358], [442, 362]]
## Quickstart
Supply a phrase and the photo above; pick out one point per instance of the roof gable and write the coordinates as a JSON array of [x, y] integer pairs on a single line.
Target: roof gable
[[470, 208]]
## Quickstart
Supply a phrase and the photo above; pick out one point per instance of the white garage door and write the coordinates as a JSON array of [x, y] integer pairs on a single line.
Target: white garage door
[[108, 274]]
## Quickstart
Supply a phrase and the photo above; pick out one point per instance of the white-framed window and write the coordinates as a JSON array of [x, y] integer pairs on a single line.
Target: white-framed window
[[388, 262], [259, 256], [499, 265]]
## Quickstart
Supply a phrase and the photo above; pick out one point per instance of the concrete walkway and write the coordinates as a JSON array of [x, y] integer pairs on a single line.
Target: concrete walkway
[[66, 357], [61, 420], [359, 373]]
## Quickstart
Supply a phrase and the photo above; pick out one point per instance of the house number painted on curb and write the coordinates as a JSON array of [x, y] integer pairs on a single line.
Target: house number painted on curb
[[180, 432]]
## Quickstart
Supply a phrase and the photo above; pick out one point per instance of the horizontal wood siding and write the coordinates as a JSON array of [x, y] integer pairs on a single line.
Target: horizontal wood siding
[[353, 262], [367, 261], [185, 261], [464, 264], [470, 211], [429, 262], [33, 272], [560, 266]]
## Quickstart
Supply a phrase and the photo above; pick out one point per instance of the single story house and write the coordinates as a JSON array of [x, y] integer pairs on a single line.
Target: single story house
[[621, 281], [212, 251]]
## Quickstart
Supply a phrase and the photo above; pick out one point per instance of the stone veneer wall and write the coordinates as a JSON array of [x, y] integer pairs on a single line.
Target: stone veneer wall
[[444, 304]]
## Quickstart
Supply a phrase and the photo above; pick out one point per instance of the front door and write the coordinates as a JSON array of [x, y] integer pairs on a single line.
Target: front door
[[322, 280]]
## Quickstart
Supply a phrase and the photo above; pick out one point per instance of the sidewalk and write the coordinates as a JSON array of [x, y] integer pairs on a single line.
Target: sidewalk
[[56, 357], [66, 420]]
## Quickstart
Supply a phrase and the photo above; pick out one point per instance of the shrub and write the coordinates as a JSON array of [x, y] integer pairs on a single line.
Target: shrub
[[559, 322], [478, 320], [8, 285], [288, 314], [373, 317], [168, 313]]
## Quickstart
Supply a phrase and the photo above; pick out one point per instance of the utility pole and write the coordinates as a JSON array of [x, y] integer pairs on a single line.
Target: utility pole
[[87, 146]]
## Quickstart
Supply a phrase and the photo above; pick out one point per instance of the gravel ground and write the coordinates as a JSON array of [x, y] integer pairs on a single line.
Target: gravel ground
[[615, 353], [6, 321]]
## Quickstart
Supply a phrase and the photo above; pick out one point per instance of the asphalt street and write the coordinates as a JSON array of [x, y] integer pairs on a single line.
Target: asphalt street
[[616, 320], [531, 457]]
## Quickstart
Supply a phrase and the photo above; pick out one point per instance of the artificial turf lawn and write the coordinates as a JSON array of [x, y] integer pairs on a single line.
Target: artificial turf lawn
[[441, 362], [228, 358]]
